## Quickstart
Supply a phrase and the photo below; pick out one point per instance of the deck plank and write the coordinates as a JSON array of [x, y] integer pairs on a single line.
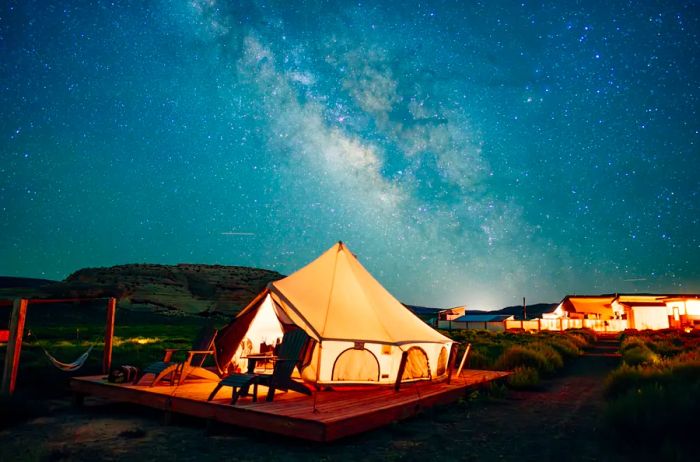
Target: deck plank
[[326, 417]]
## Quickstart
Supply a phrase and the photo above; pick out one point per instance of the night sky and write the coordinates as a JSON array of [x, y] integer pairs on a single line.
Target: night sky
[[468, 154]]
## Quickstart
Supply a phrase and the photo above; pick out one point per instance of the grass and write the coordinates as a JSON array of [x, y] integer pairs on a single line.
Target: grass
[[140, 343], [545, 353], [521, 356], [652, 396], [137, 345], [524, 378]]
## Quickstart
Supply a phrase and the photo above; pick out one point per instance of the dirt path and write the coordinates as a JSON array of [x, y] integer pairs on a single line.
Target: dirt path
[[559, 423]]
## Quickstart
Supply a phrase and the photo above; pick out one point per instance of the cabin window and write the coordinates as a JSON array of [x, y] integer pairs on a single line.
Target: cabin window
[[356, 365], [417, 366], [442, 363]]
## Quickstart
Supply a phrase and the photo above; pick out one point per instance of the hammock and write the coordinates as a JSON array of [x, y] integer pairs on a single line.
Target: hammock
[[69, 367]]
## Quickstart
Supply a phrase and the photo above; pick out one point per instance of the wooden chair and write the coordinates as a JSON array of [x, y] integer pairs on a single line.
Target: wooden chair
[[178, 371], [290, 355]]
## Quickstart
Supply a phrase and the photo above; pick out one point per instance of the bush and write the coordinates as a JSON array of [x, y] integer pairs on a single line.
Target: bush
[[564, 346], [632, 342], [652, 397], [478, 360], [639, 355], [588, 334], [623, 379], [577, 339], [519, 356], [685, 371], [554, 359], [524, 378], [654, 415]]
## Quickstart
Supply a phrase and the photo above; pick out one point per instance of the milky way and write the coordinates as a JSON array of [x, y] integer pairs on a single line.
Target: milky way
[[468, 154]]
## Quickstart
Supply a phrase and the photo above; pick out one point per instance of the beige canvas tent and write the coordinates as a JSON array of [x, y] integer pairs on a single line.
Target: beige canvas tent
[[360, 330]]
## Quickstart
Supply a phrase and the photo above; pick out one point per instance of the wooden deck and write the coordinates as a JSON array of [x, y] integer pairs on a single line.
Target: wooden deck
[[326, 417]]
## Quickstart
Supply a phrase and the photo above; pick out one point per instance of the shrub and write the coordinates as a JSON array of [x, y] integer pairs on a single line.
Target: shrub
[[588, 334], [644, 415], [478, 360], [564, 346], [492, 351], [577, 339], [688, 356], [524, 378], [623, 379], [652, 397], [554, 359], [666, 347], [685, 371], [520, 356], [632, 342], [667, 373], [639, 355]]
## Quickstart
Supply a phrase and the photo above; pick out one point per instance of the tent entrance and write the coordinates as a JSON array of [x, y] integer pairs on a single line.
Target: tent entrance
[[264, 334], [356, 365], [417, 367]]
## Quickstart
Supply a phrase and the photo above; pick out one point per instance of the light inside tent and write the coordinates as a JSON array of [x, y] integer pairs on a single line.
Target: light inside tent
[[264, 329]]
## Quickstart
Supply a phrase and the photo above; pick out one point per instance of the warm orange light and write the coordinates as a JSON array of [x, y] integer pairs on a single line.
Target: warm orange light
[[137, 340]]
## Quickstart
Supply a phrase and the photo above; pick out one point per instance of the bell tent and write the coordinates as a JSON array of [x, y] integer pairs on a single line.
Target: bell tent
[[359, 331]]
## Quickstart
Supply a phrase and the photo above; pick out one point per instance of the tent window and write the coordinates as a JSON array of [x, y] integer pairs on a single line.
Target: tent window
[[416, 365], [353, 365], [442, 363]]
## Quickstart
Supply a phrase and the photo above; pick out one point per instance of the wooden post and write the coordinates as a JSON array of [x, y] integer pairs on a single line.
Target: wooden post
[[14, 346], [464, 358], [402, 367], [109, 333], [451, 361]]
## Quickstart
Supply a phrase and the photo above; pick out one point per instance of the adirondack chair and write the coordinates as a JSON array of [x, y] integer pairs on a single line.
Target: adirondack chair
[[290, 352], [178, 371]]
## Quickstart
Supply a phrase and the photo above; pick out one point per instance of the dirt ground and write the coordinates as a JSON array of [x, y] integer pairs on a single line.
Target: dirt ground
[[560, 422]]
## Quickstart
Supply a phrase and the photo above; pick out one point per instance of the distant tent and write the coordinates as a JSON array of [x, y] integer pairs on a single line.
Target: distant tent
[[360, 329]]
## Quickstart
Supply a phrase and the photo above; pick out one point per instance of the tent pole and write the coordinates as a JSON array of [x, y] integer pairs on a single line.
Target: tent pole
[[451, 361], [14, 346], [318, 374], [109, 334]]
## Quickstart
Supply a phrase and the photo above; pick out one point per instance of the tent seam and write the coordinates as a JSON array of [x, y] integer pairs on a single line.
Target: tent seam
[[330, 292]]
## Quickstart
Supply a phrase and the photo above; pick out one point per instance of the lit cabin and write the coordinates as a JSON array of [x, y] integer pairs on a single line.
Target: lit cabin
[[683, 312], [579, 311], [614, 313], [485, 321], [642, 311]]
